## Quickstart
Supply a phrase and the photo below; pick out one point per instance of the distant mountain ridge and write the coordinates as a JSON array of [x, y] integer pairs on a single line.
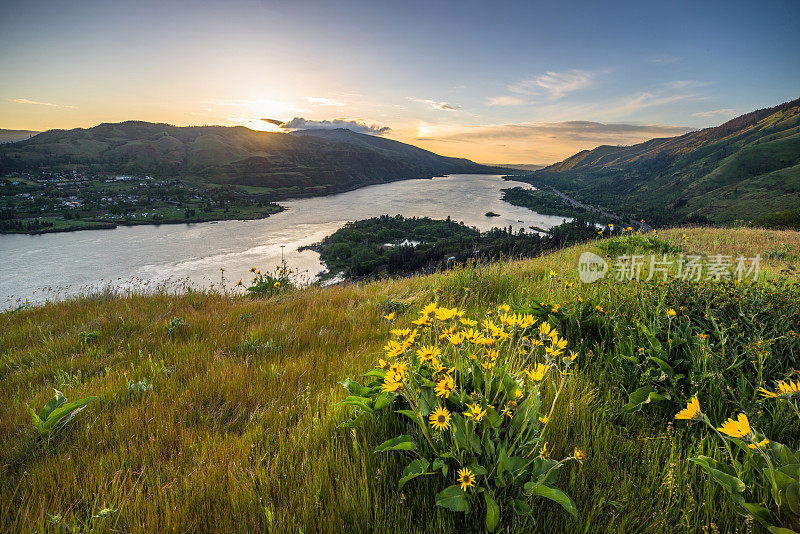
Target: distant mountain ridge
[[304, 163], [742, 169], [12, 136]]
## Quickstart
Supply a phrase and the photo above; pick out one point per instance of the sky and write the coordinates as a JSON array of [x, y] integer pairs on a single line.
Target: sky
[[497, 82]]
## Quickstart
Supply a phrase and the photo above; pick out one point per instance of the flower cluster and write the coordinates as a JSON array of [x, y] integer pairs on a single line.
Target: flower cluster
[[472, 388]]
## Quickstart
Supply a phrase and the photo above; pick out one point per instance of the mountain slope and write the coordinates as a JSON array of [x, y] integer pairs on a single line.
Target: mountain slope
[[745, 168], [315, 163]]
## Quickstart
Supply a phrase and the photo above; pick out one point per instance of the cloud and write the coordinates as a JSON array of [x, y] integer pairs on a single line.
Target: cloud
[[319, 101], [34, 102], [554, 84], [508, 100], [443, 106], [300, 123], [715, 113]]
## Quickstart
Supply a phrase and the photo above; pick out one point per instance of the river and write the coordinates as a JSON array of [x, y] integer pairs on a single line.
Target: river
[[51, 266]]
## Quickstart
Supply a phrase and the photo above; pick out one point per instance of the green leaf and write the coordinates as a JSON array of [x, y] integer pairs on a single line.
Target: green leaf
[[723, 474], [439, 464], [383, 400], [781, 530], [640, 397], [360, 402], [354, 388], [411, 414], [521, 507], [759, 512], [492, 512], [459, 431], [400, 443], [413, 470], [475, 441], [793, 497], [453, 498], [64, 410], [554, 494], [427, 401], [52, 404]]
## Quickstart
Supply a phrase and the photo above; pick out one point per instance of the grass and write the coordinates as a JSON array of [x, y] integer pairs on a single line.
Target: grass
[[240, 431]]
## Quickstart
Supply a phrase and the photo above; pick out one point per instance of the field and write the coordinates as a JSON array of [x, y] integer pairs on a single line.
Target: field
[[236, 427]]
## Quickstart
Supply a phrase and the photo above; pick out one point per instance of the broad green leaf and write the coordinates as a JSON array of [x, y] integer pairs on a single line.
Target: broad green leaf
[[413, 470], [411, 414], [521, 507], [475, 441], [723, 474], [361, 402], [400, 443], [793, 497], [439, 464], [64, 410], [383, 400], [354, 388], [427, 401], [781, 530], [640, 397], [492, 512], [758, 511], [555, 494], [453, 498], [459, 431], [52, 404]]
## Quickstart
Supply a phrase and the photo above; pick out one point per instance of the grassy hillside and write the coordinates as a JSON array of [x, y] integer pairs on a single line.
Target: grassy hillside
[[240, 431], [290, 165], [746, 168]]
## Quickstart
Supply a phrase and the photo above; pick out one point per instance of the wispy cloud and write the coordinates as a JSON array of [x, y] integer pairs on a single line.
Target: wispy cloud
[[443, 106], [716, 113], [549, 86], [34, 102], [319, 101], [300, 123], [554, 84], [508, 100]]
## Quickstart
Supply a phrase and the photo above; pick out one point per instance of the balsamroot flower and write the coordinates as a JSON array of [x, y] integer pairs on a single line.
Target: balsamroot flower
[[466, 478], [692, 410], [440, 419], [736, 428]]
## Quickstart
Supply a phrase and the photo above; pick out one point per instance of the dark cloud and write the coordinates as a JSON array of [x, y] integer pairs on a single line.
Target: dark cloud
[[299, 123]]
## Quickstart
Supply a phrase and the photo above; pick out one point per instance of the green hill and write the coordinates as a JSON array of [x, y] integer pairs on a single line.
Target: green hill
[[746, 168], [308, 163], [217, 412]]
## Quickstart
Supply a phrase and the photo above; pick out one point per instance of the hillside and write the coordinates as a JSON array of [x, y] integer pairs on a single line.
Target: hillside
[[743, 169], [218, 412], [290, 165]]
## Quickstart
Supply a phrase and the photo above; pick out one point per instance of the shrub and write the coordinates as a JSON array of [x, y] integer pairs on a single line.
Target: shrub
[[57, 413]]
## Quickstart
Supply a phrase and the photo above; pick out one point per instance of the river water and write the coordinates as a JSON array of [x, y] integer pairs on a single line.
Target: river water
[[51, 266]]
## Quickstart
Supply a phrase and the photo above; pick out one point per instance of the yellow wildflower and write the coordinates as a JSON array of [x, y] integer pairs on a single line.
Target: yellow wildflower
[[445, 386], [538, 372], [579, 454], [736, 428], [466, 478], [475, 412], [671, 312], [428, 352], [440, 419], [760, 445], [389, 316], [692, 410]]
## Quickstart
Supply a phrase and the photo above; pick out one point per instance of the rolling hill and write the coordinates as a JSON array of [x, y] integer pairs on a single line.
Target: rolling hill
[[746, 168], [306, 163]]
